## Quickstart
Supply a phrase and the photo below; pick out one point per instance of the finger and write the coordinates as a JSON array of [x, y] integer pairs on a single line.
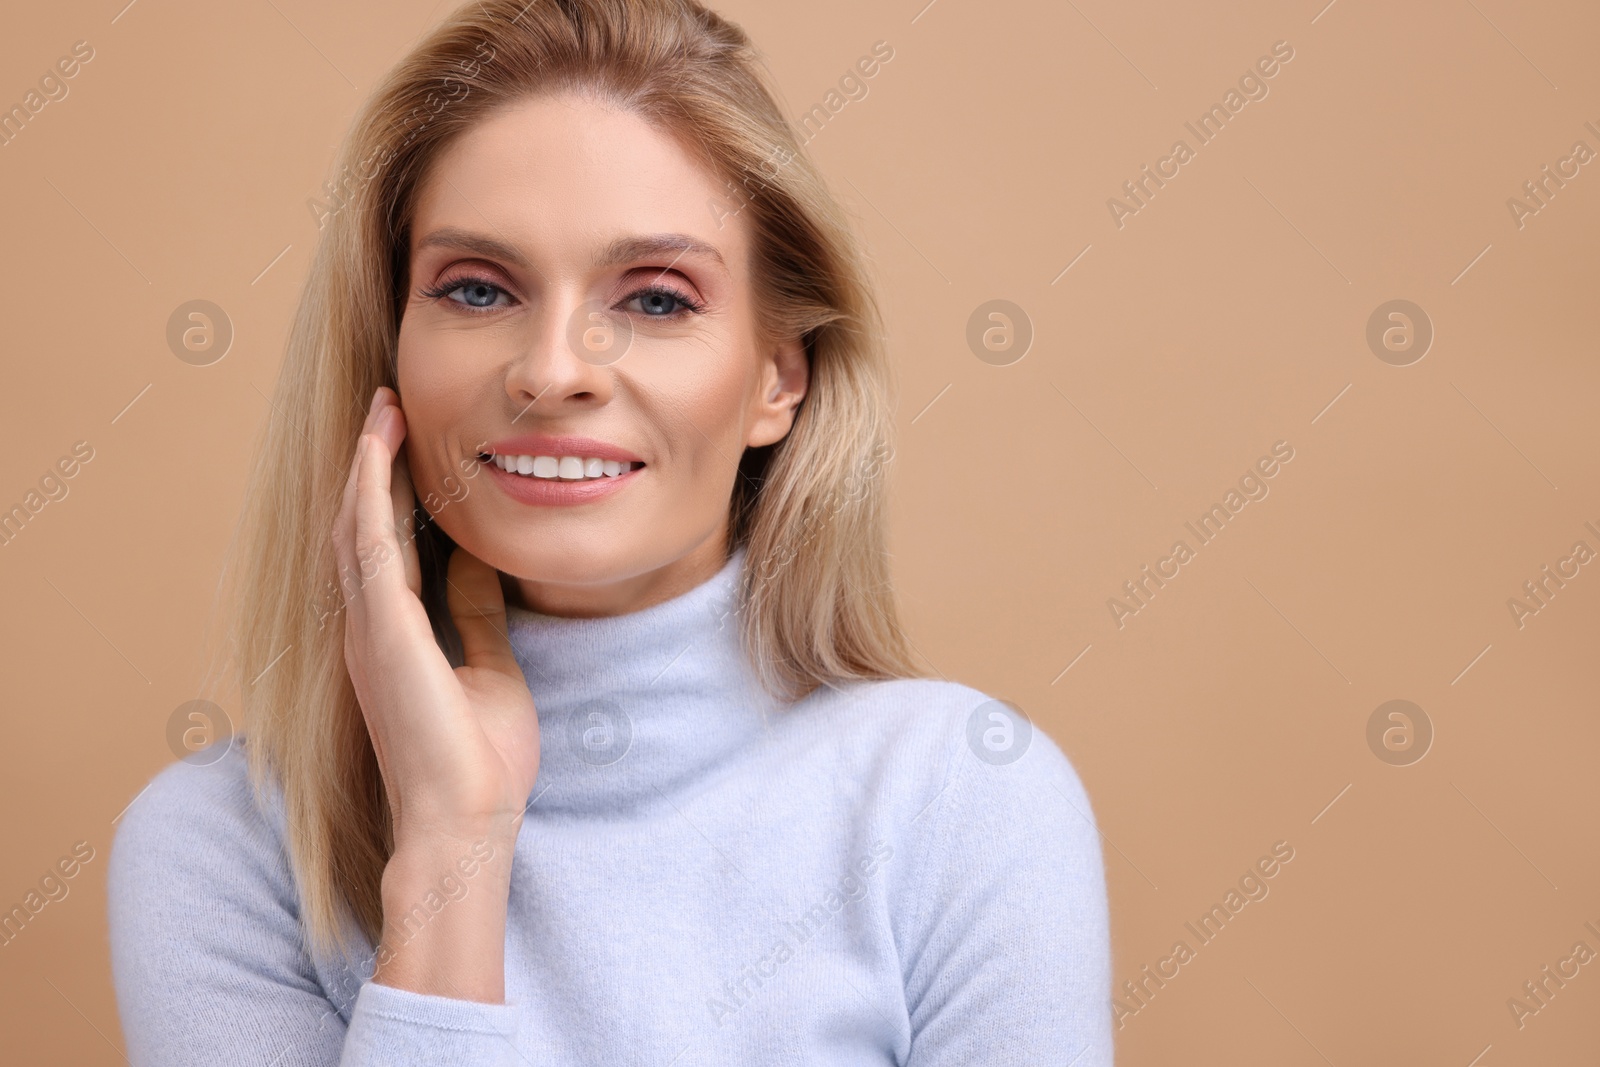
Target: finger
[[354, 662], [344, 526], [478, 606], [349, 584], [382, 575], [391, 426], [405, 510], [350, 559], [344, 537]]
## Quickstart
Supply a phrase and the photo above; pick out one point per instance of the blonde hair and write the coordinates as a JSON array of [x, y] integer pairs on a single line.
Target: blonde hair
[[816, 604]]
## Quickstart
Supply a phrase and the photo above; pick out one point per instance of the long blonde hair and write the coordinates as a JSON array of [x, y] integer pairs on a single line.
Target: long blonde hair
[[817, 607]]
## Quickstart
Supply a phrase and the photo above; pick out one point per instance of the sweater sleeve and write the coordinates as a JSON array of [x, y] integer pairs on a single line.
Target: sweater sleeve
[[208, 959], [1009, 950]]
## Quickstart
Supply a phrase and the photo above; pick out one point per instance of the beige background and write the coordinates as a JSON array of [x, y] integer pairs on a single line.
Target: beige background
[[1227, 314]]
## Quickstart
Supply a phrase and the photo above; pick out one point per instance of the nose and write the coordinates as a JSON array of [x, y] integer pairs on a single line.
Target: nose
[[564, 360]]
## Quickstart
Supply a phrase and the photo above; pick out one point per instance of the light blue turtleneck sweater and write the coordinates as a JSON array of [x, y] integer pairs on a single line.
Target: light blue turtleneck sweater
[[704, 878]]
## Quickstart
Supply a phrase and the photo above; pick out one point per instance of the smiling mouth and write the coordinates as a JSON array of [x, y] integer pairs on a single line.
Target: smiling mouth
[[560, 468]]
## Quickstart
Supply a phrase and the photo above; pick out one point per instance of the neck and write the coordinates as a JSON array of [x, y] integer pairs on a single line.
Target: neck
[[637, 707], [580, 599]]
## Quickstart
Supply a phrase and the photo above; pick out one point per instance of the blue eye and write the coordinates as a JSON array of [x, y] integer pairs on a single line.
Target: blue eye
[[660, 302], [481, 294]]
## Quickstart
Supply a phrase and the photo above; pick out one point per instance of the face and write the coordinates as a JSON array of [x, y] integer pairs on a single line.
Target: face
[[571, 298]]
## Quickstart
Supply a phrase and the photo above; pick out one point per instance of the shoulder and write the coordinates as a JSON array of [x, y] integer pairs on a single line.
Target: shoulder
[[197, 838], [969, 786], [212, 800], [946, 736], [999, 909], [204, 917]]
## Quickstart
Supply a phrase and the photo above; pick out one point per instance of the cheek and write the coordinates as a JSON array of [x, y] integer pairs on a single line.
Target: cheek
[[438, 399], [423, 360], [706, 410]]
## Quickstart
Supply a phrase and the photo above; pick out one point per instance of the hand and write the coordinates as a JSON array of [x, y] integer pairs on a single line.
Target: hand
[[458, 748]]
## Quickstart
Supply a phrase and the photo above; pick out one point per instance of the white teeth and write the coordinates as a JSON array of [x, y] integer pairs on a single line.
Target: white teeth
[[565, 468]]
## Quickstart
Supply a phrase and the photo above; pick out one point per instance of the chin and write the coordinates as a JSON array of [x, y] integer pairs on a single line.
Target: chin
[[552, 563], [574, 560]]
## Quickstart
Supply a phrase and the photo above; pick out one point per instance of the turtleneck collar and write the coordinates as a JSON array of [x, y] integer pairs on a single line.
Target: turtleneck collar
[[635, 707]]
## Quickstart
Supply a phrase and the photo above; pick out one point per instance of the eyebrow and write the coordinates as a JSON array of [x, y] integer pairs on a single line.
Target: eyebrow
[[467, 241], [621, 250], [644, 246]]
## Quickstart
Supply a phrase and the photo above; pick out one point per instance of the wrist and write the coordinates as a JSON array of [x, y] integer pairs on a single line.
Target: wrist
[[444, 917], [439, 862], [426, 831]]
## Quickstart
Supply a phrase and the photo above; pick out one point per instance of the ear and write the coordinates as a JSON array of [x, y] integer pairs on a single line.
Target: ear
[[785, 376]]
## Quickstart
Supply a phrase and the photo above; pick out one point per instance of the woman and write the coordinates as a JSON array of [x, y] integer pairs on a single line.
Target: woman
[[594, 737]]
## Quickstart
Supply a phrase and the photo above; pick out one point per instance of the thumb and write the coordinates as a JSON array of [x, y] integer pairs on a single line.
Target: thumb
[[478, 607]]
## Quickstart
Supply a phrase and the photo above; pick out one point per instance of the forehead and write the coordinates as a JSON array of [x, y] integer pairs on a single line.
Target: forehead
[[566, 174]]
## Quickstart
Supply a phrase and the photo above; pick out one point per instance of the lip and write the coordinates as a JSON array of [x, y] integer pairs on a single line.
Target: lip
[[533, 444], [555, 492]]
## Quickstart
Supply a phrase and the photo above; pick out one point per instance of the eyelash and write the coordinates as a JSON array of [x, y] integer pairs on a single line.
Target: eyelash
[[450, 285]]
